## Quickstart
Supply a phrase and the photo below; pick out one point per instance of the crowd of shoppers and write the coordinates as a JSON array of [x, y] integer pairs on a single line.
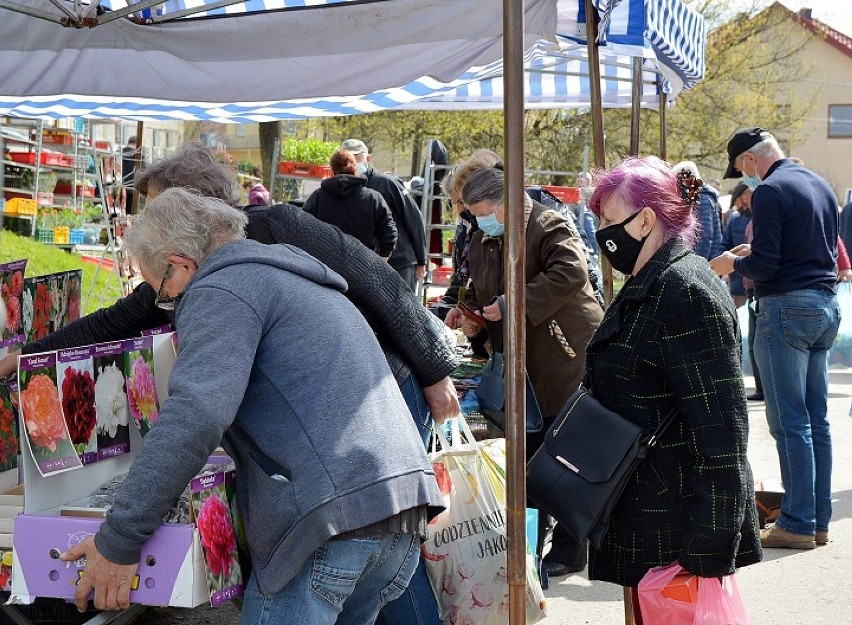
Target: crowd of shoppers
[[340, 296]]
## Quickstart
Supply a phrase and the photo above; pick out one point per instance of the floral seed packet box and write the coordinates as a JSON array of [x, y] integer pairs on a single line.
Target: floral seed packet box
[[76, 371], [141, 386], [212, 516], [111, 409], [12, 292], [42, 415]]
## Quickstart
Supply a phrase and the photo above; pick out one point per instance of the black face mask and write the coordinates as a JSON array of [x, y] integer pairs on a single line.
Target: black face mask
[[620, 249]]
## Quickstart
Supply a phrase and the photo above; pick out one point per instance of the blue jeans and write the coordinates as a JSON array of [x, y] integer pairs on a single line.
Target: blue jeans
[[417, 605], [794, 333], [345, 582]]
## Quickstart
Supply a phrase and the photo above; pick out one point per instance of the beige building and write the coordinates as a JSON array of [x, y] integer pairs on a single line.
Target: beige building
[[827, 148]]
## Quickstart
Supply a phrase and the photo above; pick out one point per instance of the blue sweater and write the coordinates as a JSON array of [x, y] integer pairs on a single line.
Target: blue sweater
[[795, 223], [733, 235], [279, 366]]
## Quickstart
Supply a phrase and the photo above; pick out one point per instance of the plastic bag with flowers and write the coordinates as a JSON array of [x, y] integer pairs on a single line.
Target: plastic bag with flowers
[[465, 553], [141, 387], [11, 294], [8, 429]]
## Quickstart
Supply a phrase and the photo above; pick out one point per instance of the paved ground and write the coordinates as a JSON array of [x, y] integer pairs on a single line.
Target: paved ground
[[788, 587]]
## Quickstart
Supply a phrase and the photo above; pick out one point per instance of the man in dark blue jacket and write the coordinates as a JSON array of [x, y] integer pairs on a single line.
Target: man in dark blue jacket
[[792, 262]]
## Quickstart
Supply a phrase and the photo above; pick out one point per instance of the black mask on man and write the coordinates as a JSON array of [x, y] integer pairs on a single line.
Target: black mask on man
[[620, 249]]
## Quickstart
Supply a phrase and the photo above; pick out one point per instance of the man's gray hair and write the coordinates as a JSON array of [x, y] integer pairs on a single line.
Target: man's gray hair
[[179, 221], [767, 147], [194, 166], [484, 185]]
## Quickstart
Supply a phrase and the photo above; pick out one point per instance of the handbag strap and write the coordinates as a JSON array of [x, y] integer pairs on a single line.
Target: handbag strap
[[662, 428]]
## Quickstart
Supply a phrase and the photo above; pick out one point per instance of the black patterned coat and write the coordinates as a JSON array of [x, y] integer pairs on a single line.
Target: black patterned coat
[[671, 338]]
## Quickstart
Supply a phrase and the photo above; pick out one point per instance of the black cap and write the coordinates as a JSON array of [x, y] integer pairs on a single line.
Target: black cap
[[743, 140]]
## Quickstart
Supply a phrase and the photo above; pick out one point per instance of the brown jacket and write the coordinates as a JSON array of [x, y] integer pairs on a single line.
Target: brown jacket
[[559, 299]]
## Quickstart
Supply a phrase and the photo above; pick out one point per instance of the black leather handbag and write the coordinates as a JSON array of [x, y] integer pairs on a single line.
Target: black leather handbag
[[588, 456]]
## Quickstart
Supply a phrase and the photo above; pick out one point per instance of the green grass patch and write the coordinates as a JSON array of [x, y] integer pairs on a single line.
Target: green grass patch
[[44, 259]]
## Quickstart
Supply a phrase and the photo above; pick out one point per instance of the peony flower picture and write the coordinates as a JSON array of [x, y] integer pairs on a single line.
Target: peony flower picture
[[112, 414], [77, 393], [12, 294], [8, 429], [212, 517], [42, 416], [141, 388]]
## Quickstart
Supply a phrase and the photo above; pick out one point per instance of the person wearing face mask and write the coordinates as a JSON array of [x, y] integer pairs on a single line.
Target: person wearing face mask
[[791, 260], [562, 312], [409, 256], [669, 340]]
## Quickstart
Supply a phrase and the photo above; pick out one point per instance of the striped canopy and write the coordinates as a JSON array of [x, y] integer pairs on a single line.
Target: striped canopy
[[291, 59]]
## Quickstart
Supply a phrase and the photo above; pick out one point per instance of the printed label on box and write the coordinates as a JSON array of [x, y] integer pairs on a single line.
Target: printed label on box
[[42, 416], [113, 413], [12, 293], [141, 388], [212, 516]]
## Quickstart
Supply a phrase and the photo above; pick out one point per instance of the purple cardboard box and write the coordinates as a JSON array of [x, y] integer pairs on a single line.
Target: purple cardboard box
[[171, 570]]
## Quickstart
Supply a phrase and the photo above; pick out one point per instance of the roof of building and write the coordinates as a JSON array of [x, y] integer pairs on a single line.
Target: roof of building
[[831, 35]]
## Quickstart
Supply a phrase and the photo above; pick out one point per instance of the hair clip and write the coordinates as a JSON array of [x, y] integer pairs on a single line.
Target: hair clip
[[689, 186]]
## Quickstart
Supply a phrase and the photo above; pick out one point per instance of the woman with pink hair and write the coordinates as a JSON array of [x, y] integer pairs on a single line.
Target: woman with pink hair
[[670, 340]]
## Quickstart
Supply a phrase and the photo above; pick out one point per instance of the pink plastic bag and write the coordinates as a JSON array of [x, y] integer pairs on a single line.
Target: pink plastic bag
[[670, 595]]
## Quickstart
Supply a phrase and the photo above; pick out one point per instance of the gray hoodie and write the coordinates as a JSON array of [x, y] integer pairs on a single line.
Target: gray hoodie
[[277, 365]]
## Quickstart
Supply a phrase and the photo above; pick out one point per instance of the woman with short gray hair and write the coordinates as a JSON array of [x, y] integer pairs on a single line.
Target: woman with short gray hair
[[562, 312]]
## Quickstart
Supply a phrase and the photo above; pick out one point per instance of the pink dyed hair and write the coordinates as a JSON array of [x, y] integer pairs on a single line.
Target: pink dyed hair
[[648, 181]]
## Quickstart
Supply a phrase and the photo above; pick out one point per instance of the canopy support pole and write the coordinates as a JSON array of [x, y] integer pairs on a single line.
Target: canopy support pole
[[636, 106], [514, 325], [137, 164], [596, 100], [663, 129]]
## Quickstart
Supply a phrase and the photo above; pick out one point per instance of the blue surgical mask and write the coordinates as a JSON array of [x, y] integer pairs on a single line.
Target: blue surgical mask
[[490, 226], [752, 182], [362, 167]]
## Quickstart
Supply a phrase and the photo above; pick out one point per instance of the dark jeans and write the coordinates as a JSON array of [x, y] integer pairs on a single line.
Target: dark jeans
[[758, 385]]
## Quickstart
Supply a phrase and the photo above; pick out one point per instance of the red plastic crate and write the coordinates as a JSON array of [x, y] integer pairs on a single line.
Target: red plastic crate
[[47, 158], [65, 189], [566, 195]]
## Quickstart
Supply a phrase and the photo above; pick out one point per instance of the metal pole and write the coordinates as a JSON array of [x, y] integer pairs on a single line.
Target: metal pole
[[635, 108], [663, 129], [514, 324], [597, 119]]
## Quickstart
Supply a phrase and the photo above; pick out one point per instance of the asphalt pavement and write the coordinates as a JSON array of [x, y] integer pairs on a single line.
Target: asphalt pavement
[[788, 588]]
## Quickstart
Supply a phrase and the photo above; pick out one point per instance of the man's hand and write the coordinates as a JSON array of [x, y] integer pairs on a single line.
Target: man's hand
[[723, 264], [845, 275], [9, 363], [420, 271], [743, 249], [442, 400], [110, 581]]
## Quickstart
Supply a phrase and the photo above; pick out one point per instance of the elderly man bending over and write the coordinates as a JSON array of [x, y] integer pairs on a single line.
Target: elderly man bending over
[[333, 482]]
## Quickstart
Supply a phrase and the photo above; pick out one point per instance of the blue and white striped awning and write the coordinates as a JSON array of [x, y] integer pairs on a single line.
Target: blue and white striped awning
[[665, 33]]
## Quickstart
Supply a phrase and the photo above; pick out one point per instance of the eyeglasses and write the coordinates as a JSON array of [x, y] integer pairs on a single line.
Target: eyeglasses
[[166, 302]]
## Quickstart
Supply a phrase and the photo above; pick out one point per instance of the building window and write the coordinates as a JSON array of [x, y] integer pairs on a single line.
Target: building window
[[839, 121], [240, 130]]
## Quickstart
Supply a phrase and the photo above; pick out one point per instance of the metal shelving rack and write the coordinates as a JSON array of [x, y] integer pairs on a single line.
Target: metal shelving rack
[[27, 133]]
